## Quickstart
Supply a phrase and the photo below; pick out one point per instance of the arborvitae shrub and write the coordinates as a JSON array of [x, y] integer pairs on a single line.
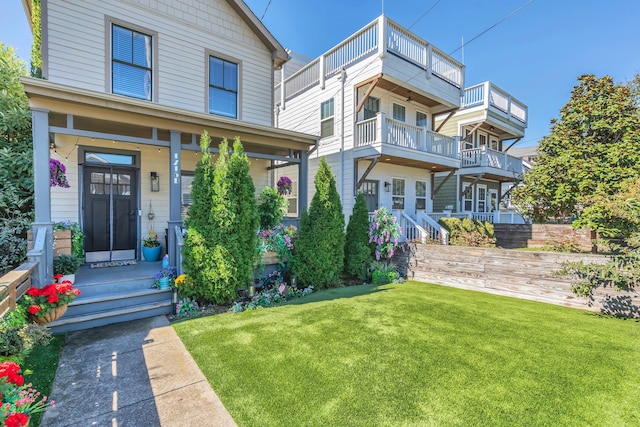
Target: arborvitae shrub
[[270, 208], [319, 256], [357, 251]]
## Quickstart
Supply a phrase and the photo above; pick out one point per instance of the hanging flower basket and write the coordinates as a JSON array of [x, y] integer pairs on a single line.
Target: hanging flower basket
[[57, 177], [54, 314], [285, 186]]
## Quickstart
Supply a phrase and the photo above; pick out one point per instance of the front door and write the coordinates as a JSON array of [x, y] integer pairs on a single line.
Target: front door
[[370, 190], [110, 213]]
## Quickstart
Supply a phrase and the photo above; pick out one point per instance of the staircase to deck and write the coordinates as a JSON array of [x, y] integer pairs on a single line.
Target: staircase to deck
[[514, 273], [113, 295]]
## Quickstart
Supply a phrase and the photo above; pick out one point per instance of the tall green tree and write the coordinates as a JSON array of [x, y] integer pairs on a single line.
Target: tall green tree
[[592, 148], [16, 173], [319, 257], [357, 251]]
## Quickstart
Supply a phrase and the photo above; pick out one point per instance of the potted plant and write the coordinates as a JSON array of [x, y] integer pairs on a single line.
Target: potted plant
[[151, 247], [46, 304], [17, 399], [65, 268], [165, 277]]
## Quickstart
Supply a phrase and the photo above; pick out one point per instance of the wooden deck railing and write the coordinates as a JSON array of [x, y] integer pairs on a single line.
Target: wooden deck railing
[[486, 157], [13, 285]]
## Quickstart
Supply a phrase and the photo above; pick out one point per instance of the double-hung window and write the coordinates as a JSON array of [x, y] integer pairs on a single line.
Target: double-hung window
[[131, 63], [421, 195], [326, 118], [223, 87], [421, 119], [397, 196], [371, 107], [399, 113]]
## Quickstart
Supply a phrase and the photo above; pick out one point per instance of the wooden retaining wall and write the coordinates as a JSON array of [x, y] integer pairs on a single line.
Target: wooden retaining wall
[[511, 236], [520, 274]]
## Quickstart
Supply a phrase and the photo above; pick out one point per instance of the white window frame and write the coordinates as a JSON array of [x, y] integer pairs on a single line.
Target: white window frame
[[466, 199], [421, 197], [426, 119], [328, 118], [398, 184], [493, 195], [367, 111], [481, 136], [494, 144], [292, 198], [401, 109], [481, 188]]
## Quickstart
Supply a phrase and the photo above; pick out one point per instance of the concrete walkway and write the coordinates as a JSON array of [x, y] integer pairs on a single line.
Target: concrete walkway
[[131, 374]]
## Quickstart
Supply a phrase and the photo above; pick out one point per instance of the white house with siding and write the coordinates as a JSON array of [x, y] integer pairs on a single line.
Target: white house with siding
[[128, 87], [389, 109]]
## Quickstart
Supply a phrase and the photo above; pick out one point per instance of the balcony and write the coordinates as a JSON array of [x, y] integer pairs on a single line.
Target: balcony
[[395, 138], [493, 99], [386, 39], [491, 161]]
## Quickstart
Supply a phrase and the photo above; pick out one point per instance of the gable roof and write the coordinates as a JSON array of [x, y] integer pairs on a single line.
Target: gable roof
[[278, 53]]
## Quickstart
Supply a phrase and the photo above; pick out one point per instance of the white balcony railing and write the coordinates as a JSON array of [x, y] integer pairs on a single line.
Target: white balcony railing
[[381, 129], [380, 36], [486, 157], [491, 96], [495, 217]]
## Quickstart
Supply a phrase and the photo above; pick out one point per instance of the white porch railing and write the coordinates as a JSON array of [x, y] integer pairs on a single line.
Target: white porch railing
[[435, 230], [495, 217], [411, 230], [380, 36], [389, 131], [486, 157], [490, 95]]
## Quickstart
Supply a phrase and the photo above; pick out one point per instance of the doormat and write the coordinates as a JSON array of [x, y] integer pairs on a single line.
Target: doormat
[[114, 263]]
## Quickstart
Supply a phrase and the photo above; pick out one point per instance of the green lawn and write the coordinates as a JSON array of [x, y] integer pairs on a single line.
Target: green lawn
[[416, 354]]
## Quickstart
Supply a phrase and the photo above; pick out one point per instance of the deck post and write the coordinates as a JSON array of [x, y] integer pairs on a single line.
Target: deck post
[[303, 184], [175, 218], [42, 194]]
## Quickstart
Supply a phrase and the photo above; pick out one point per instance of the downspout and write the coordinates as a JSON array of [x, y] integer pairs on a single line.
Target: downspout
[[343, 78]]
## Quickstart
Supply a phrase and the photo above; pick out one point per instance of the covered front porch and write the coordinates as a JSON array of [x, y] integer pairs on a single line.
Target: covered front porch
[[127, 161]]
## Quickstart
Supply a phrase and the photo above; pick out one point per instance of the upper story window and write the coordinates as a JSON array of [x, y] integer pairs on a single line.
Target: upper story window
[[131, 63], [495, 145], [399, 112], [326, 118], [421, 119], [371, 107], [223, 87]]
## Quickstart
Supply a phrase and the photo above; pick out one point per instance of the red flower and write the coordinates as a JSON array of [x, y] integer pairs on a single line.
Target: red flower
[[58, 276], [34, 292], [34, 309], [53, 299], [16, 420], [76, 291]]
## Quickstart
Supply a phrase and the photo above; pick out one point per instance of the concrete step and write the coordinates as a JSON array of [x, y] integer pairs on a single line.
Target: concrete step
[[101, 318]]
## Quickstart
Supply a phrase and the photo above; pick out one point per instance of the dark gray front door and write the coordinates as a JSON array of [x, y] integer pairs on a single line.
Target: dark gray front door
[[110, 213], [370, 190]]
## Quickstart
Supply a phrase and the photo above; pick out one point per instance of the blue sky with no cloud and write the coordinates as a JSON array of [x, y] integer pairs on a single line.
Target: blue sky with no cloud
[[536, 55]]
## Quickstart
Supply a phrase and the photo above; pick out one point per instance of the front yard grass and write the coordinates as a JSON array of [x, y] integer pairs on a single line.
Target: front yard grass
[[419, 354]]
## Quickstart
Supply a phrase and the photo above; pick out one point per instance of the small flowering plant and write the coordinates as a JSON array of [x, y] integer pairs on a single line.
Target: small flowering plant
[[385, 233], [151, 241], [17, 399], [169, 272], [285, 186], [57, 177], [40, 301]]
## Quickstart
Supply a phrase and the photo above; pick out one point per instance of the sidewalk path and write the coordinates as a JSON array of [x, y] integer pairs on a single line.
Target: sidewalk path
[[131, 374]]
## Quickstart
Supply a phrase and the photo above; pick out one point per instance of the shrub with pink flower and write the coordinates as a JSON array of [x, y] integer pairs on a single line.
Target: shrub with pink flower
[[17, 399], [385, 233]]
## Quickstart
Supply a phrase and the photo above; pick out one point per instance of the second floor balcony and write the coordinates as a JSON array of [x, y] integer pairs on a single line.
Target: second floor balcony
[[491, 98], [490, 161]]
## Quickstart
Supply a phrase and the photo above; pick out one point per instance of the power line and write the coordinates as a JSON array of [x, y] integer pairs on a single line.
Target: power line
[[423, 15], [265, 10]]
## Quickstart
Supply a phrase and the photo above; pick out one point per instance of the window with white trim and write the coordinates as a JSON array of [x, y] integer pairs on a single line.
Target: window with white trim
[[495, 145], [397, 194], [399, 112], [371, 107], [421, 119], [421, 195], [131, 63], [292, 199], [467, 198], [482, 199], [223, 87], [482, 139], [326, 118]]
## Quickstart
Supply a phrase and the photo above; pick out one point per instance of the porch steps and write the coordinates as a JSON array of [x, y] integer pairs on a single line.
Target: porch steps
[[514, 273], [114, 295]]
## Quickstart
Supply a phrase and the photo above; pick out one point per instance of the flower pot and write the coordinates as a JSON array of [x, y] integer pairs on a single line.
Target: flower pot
[[164, 283], [54, 314], [151, 254], [68, 277]]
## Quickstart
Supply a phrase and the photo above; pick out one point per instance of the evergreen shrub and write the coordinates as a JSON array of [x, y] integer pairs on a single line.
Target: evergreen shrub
[[357, 251], [469, 232]]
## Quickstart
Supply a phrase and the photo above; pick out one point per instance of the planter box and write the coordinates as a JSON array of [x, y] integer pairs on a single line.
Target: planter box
[[61, 242]]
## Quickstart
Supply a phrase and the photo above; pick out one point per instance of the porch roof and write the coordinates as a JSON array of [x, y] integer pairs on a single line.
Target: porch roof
[[94, 109]]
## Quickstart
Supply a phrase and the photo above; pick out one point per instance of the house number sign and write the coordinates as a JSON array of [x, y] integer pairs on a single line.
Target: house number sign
[[176, 169]]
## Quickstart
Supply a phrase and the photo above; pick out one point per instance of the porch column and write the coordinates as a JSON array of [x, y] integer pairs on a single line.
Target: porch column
[[42, 198], [303, 181], [175, 218]]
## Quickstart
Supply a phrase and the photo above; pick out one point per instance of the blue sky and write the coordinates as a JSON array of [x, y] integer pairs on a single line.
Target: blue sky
[[536, 55]]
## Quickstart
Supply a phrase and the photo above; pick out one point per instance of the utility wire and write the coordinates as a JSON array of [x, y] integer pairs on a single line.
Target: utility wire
[[421, 72], [423, 15], [265, 10]]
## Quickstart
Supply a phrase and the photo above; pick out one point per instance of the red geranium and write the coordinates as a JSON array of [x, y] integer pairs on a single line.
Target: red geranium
[[16, 420], [17, 399], [40, 301]]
